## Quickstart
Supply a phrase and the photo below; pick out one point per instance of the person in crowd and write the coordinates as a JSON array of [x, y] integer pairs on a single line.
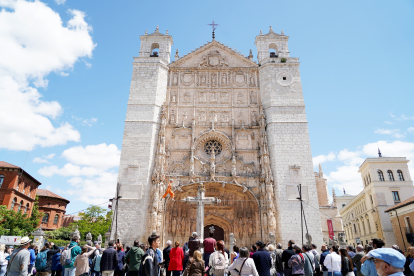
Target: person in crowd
[[97, 246], [32, 250], [56, 265], [262, 260], [196, 266], [193, 244], [75, 250], [333, 262], [243, 265], [368, 266], [276, 261], [287, 253], [317, 259], [325, 251], [396, 247], [387, 261], [377, 243], [253, 249], [82, 261], [347, 267], [408, 260], [19, 259], [357, 259], [297, 262], [109, 260], [134, 258], [235, 254], [350, 250], [219, 260], [149, 266], [186, 251], [121, 260], [3, 261], [166, 254], [97, 263], [49, 250], [176, 259], [309, 265], [279, 264], [209, 244]]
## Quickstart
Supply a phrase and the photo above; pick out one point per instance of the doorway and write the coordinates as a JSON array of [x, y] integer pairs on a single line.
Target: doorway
[[218, 232]]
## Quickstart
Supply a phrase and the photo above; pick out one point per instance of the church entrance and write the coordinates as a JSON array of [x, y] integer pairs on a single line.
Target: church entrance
[[218, 232]]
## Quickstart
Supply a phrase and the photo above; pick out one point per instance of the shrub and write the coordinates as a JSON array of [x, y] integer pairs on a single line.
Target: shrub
[[283, 60]]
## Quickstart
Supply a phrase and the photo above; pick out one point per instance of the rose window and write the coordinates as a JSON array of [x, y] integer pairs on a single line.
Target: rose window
[[213, 144]]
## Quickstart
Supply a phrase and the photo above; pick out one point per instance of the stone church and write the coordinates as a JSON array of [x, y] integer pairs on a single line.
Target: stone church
[[232, 125]]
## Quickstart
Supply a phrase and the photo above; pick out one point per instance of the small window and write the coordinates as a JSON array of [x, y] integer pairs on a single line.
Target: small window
[[390, 175], [380, 175], [48, 204], [45, 218], [13, 203], [372, 200], [20, 206], [369, 178], [343, 205], [27, 207], [400, 176], [55, 221], [1, 180], [284, 78], [408, 224], [396, 197]]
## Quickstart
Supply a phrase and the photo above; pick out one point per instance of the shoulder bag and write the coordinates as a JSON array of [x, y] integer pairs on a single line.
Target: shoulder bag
[[239, 272], [11, 261], [313, 270]]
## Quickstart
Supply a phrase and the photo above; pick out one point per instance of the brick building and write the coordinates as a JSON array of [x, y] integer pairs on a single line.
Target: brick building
[[54, 208], [17, 188], [402, 218]]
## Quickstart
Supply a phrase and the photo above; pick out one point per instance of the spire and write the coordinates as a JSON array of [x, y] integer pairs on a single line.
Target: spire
[[271, 30], [344, 191], [282, 33], [379, 153], [157, 30], [261, 33], [320, 171], [146, 32], [250, 55], [176, 57]]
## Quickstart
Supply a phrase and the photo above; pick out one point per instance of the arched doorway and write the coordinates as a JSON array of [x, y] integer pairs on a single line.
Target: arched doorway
[[218, 232]]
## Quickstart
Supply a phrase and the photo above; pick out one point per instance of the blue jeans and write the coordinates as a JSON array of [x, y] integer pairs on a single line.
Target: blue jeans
[[70, 271], [96, 273], [3, 269], [335, 273], [206, 258]]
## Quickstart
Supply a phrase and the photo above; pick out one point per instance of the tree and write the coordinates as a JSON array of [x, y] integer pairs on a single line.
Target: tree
[[95, 220], [18, 224]]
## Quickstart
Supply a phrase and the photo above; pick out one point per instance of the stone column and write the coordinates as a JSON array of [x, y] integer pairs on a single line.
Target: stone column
[[38, 238]]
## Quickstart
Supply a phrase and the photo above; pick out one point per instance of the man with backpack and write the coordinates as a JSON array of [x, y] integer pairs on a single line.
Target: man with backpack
[[19, 259], [109, 260], [69, 255], [149, 264], [133, 259], [43, 262]]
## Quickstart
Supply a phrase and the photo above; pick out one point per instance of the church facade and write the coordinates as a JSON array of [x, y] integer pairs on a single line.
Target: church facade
[[219, 121]]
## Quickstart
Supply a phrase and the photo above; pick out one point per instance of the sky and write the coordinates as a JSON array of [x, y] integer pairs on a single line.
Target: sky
[[66, 65]]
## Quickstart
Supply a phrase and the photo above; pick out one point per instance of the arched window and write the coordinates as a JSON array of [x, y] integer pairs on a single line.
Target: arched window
[[273, 50], [155, 49], [45, 218], [55, 221], [20, 206], [380, 175], [1, 180], [27, 208], [400, 175], [13, 203], [25, 188], [390, 175]]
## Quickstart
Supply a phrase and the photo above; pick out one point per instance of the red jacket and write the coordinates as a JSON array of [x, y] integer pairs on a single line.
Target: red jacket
[[176, 259]]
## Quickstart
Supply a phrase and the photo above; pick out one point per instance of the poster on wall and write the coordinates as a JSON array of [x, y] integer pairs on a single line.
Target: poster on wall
[[10, 240], [330, 229]]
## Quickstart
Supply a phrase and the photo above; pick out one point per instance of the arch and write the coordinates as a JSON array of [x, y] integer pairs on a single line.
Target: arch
[[213, 135], [399, 172], [13, 203], [155, 50], [27, 208], [55, 221], [273, 50], [390, 175], [1, 180], [380, 175], [45, 218], [20, 206]]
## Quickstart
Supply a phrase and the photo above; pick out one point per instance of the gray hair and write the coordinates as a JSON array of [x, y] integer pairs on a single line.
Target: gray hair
[[195, 234], [271, 247], [360, 247], [395, 247], [279, 246], [169, 242], [244, 252]]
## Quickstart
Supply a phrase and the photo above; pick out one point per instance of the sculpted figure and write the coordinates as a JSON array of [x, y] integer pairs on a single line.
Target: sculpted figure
[[240, 98], [203, 79], [240, 227], [251, 80], [172, 117], [254, 119], [213, 166], [252, 98], [187, 97], [173, 98], [233, 167], [224, 79], [175, 79]]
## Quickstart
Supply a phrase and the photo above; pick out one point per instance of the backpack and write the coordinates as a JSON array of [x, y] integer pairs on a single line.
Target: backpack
[[66, 257], [41, 260], [146, 258], [219, 264]]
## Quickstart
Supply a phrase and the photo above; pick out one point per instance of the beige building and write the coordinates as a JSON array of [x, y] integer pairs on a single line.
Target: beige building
[[387, 182]]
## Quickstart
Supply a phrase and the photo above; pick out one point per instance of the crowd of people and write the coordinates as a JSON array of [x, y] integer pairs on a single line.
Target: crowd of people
[[259, 260]]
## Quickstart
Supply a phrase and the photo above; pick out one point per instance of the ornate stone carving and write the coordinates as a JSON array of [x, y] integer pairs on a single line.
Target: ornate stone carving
[[213, 59], [187, 78], [175, 79], [172, 117], [253, 97], [173, 97]]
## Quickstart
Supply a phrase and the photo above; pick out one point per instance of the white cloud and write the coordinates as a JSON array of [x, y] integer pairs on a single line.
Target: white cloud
[[50, 156], [388, 122], [92, 171], [411, 129], [40, 160], [393, 132], [323, 158], [89, 122], [35, 42], [60, 2], [63, 74]]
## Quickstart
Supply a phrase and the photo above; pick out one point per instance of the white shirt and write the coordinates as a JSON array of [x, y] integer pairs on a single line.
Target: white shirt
[[214, 254], [333, 262], [249, 267], [3, 258]]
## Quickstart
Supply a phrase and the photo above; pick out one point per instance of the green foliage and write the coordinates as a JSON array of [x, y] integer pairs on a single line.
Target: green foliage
[[62, 233], [63, 243], [283, 60], [17, 224]]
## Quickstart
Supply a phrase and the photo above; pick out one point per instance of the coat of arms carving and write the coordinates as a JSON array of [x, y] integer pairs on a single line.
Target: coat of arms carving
[[213, 59]]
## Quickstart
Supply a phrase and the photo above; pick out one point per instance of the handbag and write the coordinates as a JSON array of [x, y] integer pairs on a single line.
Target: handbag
[[313, 270], [239, 272]]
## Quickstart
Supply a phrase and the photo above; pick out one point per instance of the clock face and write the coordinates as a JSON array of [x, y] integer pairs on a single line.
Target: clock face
[[284, 79]]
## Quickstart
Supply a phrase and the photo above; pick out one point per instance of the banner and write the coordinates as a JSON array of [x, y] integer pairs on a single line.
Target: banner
[[10, 240], [330, 229]]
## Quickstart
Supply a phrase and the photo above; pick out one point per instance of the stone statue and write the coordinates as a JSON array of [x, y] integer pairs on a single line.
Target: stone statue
[[100, 238], [252, 97], [232, 242], [272, 238], [89, 237], [254, 119], [213, 166], [175, 79], [251, 80], [75, 233], [224, 79]]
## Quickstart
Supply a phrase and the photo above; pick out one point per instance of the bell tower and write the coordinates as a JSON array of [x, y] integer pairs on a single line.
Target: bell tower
[[288, 138], [156, 45]]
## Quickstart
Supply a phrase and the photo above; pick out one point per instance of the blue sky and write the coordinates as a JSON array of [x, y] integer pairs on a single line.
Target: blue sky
[[65, 72]]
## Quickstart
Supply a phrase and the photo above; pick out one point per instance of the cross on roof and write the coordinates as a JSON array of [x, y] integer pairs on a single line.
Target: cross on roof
[[213, 25]]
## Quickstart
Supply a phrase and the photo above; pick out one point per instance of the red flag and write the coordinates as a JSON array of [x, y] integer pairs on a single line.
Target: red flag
[[330, 229]]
